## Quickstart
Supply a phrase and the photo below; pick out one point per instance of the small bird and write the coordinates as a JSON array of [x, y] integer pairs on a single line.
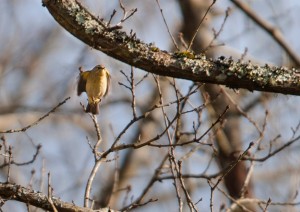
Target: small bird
[[95, 83]]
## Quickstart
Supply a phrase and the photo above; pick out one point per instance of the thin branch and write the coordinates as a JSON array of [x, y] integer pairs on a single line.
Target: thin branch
[[24, 163], [233, 164], [208, 130], [273, 152], [111, 17], [240, 110], [88, 187], [98, 161], [133, 106], [9, 164], [217, 34], [37, 121], [125, 13], [50, 190], [139, 145], [171, 155], [187, 195], [172, 168], [149, 185], [229, 169], [136, 205], [239, 204], [201, 21], [99, 138], [162, 14], [271, 30]]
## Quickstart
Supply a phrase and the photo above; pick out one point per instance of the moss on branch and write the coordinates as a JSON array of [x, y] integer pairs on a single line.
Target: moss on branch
[[93, 31]]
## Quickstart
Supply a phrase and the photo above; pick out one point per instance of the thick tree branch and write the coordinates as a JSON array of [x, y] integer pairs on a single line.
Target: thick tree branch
[[10, 191], [115, 43]]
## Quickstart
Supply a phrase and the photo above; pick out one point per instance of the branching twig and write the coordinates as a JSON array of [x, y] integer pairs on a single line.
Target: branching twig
[[125, 13], [38, 147], [217, 34], [39, 120], [273, 152], [170, 34], [149, 185], [188, 198], [99, 138], [230, 167], [198, 28], [132, 89], [172, 168], [90, 182], [271, 30], [98, 161], [171, 154]]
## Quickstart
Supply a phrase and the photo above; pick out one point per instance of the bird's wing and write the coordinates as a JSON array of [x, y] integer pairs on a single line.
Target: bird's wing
[[82, 82], [108, 83]]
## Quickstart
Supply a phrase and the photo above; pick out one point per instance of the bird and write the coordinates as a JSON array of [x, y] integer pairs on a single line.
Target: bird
[[96, 84]]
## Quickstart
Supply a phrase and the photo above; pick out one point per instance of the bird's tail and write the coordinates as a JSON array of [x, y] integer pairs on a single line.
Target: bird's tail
[[92, 108]]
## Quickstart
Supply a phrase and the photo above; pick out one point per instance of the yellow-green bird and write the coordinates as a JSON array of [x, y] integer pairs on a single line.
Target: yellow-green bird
[[95, 83]]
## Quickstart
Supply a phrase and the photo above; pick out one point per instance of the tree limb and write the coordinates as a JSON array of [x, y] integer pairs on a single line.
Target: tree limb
[[10, 191], [94, 32]]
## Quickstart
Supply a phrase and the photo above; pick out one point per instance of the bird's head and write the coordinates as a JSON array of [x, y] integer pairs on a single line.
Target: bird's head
[[98, 68]]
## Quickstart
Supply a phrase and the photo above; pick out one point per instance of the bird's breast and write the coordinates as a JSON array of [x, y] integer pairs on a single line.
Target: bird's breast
[[96, 86]]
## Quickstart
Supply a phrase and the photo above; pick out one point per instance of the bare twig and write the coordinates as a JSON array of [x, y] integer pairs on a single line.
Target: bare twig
[[125, 146], [99, 138], [230, 167], [87, 192], [271, 30], [217, 34], [38, 147], [188, 198], [9, 164], [198, 28], [132, 93], [39, 120], [267, 205], [132, 86], [181, 39], [240, 110], [111, 17], [50, 189], [98, 161], [247, 180], [208, 130], [149, 185], [171, 155], [273, 152], [170, 34], [172, 167], [175, 167], [141, 80], [125, 13], [115, 179], [136, 205]]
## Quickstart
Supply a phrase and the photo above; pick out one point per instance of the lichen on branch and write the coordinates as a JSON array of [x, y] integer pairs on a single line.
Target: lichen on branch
[[93, 31]]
